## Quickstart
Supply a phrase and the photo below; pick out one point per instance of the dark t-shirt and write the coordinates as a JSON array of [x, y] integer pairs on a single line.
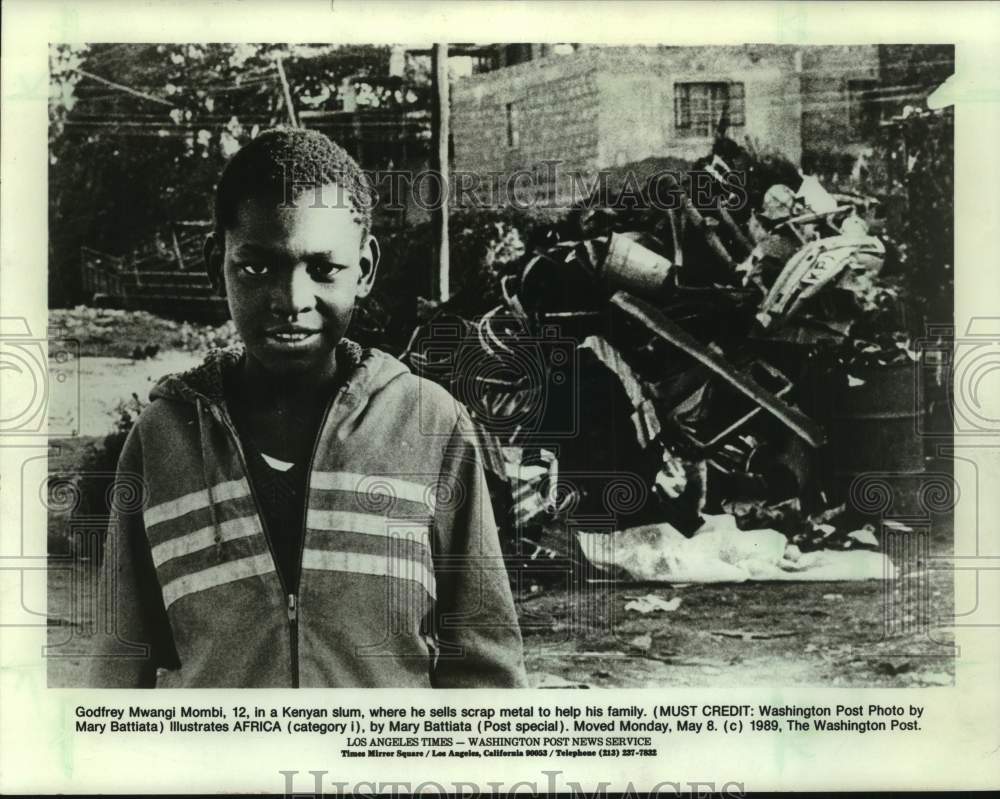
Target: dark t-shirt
[[280, 489], [281, 494]]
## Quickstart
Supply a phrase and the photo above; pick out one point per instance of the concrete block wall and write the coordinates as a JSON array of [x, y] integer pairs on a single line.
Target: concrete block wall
[[637, 99], [826, 130], [911, 71], [605, 107], [556, 103]]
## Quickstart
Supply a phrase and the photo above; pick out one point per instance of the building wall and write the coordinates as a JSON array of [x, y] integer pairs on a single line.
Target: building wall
[[605, 107], [556, 106], [827, 134], [637, 99], [910, 72]]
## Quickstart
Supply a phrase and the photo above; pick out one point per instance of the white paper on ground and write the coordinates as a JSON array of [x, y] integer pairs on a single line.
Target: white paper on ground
[[651, 603], [723, 553]]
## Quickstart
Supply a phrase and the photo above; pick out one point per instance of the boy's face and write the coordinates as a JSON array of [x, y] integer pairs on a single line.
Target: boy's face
[[292, 276]]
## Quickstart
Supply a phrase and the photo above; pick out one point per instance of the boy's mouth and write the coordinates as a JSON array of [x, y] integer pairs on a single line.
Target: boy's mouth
[[291, 336]]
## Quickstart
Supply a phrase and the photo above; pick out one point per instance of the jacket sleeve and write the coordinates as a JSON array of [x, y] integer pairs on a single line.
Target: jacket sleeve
[[132, 636], [476, 624]]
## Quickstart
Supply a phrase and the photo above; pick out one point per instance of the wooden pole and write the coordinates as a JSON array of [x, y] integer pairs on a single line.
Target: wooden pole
[[440, 132], [287, 91]]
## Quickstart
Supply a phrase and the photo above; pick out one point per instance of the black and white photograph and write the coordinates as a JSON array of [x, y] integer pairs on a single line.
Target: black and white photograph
[[500, 365], [498, 398]]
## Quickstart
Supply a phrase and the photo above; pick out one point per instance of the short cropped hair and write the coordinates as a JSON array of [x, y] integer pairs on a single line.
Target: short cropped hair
[[280, 165]]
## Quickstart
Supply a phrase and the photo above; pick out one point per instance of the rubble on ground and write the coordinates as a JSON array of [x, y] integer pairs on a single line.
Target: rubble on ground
[[651, 368]]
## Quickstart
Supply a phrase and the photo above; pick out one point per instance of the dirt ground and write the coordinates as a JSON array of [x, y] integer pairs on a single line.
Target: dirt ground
[[779, 634], [726, 635]]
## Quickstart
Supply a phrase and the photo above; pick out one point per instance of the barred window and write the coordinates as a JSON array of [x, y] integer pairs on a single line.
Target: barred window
[[698, 107], [513, 133]]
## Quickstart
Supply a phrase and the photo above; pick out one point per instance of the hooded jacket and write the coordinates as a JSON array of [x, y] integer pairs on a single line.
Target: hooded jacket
[[402, 582]]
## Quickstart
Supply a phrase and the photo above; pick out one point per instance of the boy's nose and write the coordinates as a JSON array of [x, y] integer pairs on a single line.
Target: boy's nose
[[294, 294]]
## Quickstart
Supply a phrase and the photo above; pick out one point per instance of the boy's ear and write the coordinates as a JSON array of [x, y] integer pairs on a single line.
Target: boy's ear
[[214, 252], [370, 255]]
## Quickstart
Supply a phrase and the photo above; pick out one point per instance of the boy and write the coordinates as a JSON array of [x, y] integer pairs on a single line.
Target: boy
[[315, 514]]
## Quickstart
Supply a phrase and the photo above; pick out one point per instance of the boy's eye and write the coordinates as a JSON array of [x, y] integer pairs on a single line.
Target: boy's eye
[[256, 270], [323, 269]]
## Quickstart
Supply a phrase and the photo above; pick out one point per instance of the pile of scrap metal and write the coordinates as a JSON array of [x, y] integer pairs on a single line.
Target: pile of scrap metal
[[658, 362]]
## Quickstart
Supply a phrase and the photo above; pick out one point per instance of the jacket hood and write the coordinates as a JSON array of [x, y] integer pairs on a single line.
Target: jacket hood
[[368, 371]]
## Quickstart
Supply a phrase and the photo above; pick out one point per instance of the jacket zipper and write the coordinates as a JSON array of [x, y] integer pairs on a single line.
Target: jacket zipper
[[293, 611], [291, 599], [293, 636]]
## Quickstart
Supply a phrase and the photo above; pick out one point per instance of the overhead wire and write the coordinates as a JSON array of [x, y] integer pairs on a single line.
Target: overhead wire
[[122, 87]]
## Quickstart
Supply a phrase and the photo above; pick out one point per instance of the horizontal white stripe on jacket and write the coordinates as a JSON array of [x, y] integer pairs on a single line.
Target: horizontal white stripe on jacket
[[230, 530], [165, 511], [367, 524], [392, 487], [217, 575], [378, 565]]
